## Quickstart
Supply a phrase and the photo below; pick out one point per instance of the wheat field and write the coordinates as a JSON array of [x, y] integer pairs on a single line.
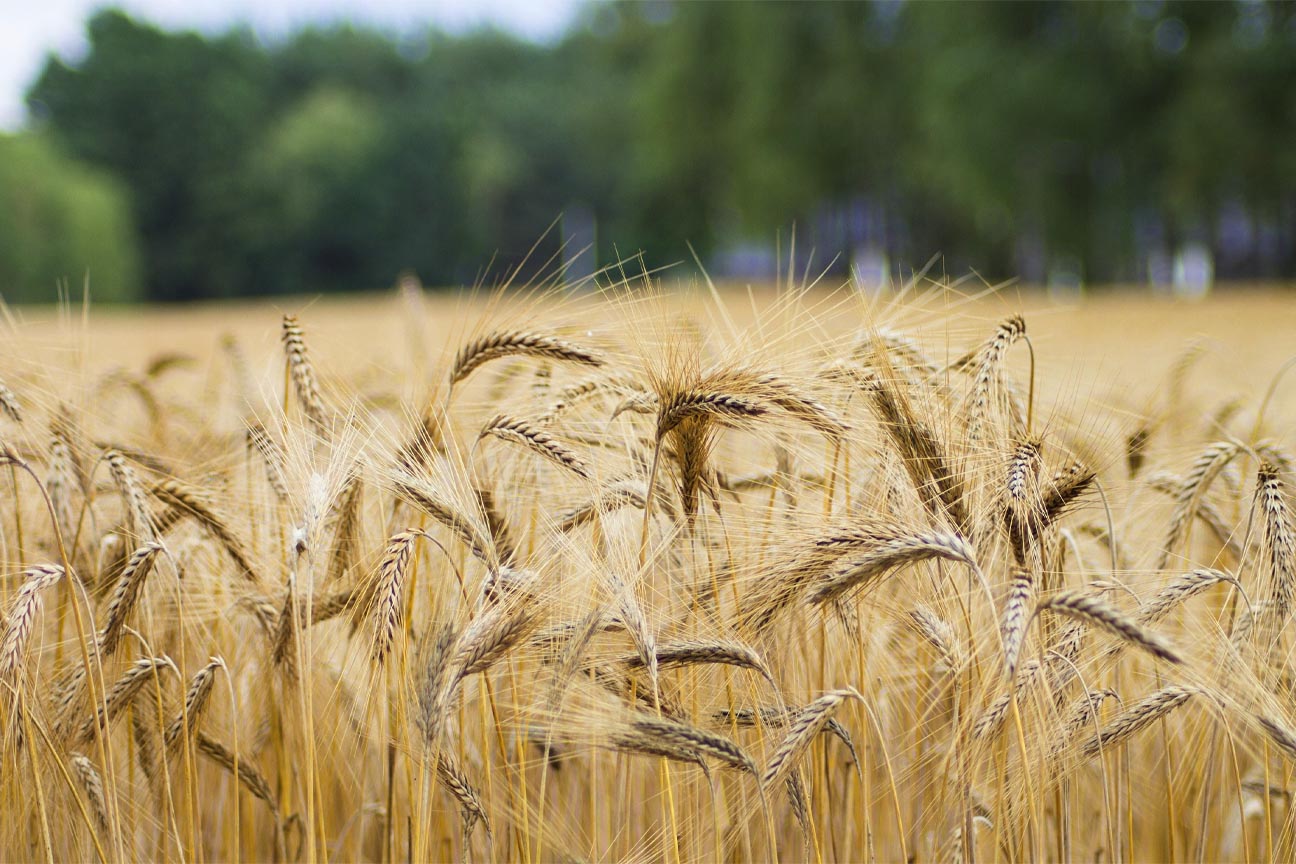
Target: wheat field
[[650, 575]]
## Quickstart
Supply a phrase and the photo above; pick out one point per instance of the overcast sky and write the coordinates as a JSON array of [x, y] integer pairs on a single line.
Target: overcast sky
[[29, 29]]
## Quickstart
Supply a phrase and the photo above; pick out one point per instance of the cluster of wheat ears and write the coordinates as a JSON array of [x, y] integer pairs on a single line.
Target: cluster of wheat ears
[[671, 590]]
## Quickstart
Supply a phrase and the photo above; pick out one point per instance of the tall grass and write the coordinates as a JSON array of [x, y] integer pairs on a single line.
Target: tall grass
[[625, 580]]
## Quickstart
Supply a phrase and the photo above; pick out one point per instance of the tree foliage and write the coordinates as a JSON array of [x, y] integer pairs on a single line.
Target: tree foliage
[[61, 223], [1006, 136]]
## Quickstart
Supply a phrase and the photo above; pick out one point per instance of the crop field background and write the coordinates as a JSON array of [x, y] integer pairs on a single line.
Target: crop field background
[[657, 575]]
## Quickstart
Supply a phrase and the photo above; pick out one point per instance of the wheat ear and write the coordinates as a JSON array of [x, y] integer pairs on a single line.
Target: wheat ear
[[1012, 624], [1138, 716], [1204, 470], [188, 501], [940, 635], [129, 585], [248, 775], [137, 511], [22, 615], [510, 343], [668, 738], [92, 784], [303, 375], [1097, 613], [521, 431], [196, 699], [895, 553], [1279, 538], [1181, 588], [121, 693], [807, 724]]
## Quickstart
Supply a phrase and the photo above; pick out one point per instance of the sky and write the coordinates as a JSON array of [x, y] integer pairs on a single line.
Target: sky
[[33, 28]]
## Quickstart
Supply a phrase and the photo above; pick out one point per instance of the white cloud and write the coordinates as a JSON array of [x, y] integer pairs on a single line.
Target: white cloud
[[34, 29]]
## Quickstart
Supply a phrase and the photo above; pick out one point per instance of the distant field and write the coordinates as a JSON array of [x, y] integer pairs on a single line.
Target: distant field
[[655, 578], [1246, 327]]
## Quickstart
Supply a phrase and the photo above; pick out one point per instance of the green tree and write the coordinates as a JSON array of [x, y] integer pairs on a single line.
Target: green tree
[[172, 115], [61, 221]]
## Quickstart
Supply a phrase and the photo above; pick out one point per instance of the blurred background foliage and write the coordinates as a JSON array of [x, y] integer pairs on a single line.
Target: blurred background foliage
[[1072, 142]]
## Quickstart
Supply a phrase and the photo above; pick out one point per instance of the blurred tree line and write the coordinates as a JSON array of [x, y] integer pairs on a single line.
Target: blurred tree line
[[1019, 139]]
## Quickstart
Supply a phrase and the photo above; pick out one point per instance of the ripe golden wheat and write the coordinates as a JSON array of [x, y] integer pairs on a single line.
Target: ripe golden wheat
[[610, 593]]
